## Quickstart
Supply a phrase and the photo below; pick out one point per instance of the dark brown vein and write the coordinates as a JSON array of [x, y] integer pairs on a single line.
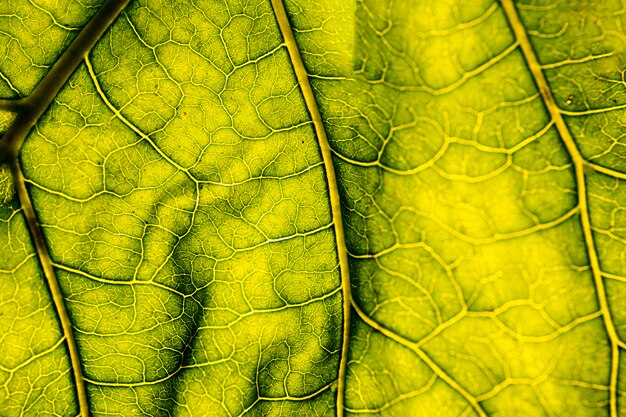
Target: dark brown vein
[[29, 110]]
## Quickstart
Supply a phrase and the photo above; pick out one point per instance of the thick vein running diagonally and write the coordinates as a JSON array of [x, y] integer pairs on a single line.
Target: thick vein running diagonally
[[32, 107], [414, 347], [29, 110], [311, 103], [579, 167]]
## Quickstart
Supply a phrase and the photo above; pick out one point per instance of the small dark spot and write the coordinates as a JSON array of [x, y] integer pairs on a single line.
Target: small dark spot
[[302, 141], [547, 95]]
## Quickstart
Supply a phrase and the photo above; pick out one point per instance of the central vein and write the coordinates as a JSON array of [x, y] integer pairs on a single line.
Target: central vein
[[335, 203], [579, 168], [29, 110]]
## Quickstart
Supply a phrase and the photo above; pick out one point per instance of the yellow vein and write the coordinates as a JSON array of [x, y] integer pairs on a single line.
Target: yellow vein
[[398, 399], [335, 203], [579, 166], [30, 110], [471, 400], [606, 171], [117, 113]]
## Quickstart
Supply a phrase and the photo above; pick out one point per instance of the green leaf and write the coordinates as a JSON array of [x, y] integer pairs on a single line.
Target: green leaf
[[300, 207]]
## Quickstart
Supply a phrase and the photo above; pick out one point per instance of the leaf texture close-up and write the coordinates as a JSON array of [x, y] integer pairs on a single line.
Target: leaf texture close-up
[[313, 208]]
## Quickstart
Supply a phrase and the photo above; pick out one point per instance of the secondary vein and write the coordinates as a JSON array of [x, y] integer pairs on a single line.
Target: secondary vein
[[33, 106], [335, 203], [29, 110], [439, 372], [579, 166]]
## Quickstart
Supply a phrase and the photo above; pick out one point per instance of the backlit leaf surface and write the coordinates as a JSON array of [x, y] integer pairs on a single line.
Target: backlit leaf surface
[[314, 208]]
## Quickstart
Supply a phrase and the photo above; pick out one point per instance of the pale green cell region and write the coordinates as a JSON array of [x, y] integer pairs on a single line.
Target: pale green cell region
[[600, 137], [607, 199], [185, 205], [35, 374], [462, 223], [325, 34], [387, 379], [6, 118], [582, 52], [581, 48], [33, 34], [7, 190]]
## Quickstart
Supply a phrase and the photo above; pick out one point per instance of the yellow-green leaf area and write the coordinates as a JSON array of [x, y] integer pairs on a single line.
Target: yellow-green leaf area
[[33, 34], [34, 367], [314, 208]]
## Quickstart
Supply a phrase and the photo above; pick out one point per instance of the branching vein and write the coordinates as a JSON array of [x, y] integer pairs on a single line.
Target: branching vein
[[311, 103], [579, 167]]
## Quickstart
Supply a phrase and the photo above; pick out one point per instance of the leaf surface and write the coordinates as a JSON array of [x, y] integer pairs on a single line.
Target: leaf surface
[[312, 208]]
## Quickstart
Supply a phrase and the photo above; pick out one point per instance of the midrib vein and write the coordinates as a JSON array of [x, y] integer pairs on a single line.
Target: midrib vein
[[29, 110], [53, 284], [579, 167], [335, 203]]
